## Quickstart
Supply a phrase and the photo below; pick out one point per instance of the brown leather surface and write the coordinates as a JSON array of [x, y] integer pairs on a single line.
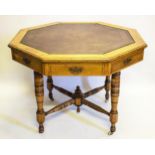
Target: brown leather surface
[[77, 39]]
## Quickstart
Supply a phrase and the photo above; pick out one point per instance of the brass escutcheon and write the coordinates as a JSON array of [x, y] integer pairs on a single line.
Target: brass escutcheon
[[75, 70], [127, 61], [26, 60]]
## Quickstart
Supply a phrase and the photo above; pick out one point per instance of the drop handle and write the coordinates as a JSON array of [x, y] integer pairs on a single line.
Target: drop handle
[[127, 61], [26, 61], [75, 70]]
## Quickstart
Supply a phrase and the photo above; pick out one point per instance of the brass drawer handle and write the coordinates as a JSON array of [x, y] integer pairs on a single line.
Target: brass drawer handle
[[26, 61], [127, 61], [75, 70]]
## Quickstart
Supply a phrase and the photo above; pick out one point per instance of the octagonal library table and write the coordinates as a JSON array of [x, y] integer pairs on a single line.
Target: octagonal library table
[[77, 49]]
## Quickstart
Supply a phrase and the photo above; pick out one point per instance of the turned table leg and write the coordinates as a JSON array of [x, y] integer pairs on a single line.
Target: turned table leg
[[39, 92], [107, 88], [115, 84], [50, 87]]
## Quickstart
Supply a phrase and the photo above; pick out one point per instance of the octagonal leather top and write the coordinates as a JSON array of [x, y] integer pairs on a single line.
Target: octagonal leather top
[[68, 38], [77, 41]]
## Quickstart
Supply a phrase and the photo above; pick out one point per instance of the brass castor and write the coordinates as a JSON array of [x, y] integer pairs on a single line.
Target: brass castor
[[41, 128], [110, 133], [112, 130]]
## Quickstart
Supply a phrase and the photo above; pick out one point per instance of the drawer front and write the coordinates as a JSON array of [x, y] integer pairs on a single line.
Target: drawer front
[[74, 69], [127, 61], [26, 60]]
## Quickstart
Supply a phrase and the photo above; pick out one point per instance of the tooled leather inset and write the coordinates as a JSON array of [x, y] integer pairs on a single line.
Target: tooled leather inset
[[85, 38]]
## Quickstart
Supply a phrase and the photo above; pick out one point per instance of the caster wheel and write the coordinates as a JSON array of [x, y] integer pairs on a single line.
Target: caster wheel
[[112, 130], [110, 133], [41, 128]]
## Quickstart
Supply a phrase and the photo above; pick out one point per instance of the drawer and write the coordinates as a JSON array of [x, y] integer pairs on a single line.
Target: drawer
[[127, 61], [26, 60], [74, 69]]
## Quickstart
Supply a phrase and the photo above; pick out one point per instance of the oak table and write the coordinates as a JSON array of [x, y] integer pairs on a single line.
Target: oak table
[[77, 49]]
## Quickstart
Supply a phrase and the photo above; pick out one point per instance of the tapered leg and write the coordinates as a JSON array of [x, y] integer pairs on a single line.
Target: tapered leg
[[115, 84], [107, 88], [50, 87], [39, 92]]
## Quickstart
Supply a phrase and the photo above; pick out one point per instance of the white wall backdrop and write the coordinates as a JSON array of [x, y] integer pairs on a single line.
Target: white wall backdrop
[[136, 102]]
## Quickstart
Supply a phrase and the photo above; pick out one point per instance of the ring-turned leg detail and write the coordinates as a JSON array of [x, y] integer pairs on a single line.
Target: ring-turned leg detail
[[50, 87], [39, 92], [115, 84], [107, 88]]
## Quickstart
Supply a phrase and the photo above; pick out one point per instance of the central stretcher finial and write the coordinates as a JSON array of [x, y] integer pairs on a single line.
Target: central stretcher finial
[[78, 97]]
